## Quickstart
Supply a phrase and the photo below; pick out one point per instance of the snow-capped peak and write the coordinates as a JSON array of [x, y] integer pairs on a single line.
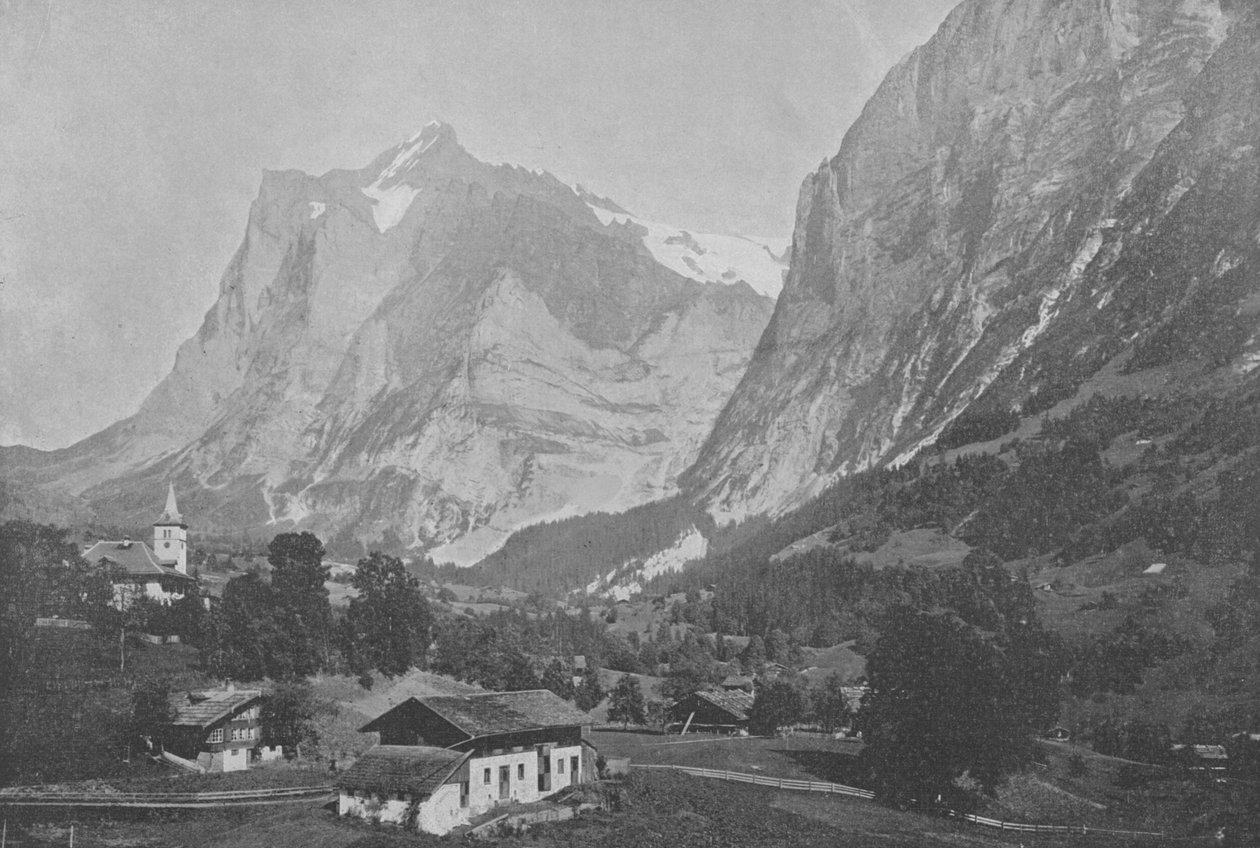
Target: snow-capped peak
[[705, 257], [390, 193]]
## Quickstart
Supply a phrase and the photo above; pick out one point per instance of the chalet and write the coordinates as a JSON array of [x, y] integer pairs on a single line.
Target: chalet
[[159, 572], [735, 681], [723, 711], [219, 730], [410, 785], [521, 746]]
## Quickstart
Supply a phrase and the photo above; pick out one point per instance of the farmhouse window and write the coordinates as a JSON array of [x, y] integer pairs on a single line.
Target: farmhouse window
[[559, 765], [463, 794], [485, 777], [520, 771], [216, 736]]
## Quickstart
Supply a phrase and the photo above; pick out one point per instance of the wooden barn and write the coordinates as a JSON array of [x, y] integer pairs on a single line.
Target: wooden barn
[[720, 711]]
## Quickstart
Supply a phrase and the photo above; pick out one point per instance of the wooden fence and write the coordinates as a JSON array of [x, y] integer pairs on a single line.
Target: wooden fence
[[775, 782], [38, 796], [69, 623], [840, 789]]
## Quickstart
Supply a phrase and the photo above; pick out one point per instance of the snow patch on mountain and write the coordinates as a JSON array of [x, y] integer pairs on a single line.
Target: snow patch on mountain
[[317, 209], [629, 579], [389, 204], [706, 257]]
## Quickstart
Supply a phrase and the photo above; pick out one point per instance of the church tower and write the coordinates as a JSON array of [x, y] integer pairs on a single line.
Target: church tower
[[170, 535]]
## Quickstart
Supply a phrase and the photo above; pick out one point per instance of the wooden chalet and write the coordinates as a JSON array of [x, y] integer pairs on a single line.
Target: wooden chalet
[[218, 730]]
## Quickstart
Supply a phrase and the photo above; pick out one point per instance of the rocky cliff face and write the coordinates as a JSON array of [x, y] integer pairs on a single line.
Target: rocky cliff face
[[432, 351], [1045, 188]]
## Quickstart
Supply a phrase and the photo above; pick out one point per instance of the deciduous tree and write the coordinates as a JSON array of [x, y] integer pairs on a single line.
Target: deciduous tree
[[947, 699], [288, 717], [626, 703], [777, 704], [390, 618]]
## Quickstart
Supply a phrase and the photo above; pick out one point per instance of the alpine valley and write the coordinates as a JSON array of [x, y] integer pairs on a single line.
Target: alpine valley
[[1051, 204]]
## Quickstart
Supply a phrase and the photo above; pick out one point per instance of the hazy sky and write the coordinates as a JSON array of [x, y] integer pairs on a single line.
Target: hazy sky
[[133, 134]]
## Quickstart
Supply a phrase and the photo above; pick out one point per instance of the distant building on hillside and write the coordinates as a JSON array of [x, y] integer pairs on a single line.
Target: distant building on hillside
[[520, 747], [160, 572], [219, 729], [1212, 759]]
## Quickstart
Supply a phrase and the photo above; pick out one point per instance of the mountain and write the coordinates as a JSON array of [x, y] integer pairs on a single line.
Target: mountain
[[1046, 192], [430, 352]]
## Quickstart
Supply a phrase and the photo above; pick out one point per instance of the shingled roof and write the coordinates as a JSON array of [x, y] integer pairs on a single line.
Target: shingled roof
[[136, 558], [490, 713], [202, 709], [402, 768], [737, 702]]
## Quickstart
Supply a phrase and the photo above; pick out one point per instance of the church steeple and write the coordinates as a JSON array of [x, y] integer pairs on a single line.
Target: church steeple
[[170, 535], [171, 515]]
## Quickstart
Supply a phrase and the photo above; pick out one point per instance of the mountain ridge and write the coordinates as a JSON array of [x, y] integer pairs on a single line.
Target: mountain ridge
[[362, 357], [966, 208]]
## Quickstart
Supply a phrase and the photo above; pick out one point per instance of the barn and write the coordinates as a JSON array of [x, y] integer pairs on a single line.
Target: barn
[[724, 711]]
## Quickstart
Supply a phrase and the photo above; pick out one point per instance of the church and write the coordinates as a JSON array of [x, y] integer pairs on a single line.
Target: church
[[159, 572]]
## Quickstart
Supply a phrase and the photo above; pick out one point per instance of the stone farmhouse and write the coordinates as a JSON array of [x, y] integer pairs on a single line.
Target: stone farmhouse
[[159, 572], [512, 747], [410, 785]]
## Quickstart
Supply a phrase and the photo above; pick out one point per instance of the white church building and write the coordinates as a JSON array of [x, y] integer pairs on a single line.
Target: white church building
[[159, 572]]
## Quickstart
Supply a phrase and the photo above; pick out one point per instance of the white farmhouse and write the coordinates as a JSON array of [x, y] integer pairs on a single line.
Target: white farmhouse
[[520, 747], [410, 785]]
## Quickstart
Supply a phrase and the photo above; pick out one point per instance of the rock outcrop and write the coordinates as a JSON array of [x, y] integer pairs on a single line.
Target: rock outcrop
[[1044, 188]]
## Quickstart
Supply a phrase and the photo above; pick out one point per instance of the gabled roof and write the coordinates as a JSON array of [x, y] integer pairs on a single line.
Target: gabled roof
[[403, 768], [499, 712], [735, 681], [136, 558], [737, 702], [202, 709]]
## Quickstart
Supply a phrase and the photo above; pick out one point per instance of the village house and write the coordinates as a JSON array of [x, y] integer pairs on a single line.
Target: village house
[[410, 785], [159, 572], [520, 746], [720, 711], [217, 730]]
